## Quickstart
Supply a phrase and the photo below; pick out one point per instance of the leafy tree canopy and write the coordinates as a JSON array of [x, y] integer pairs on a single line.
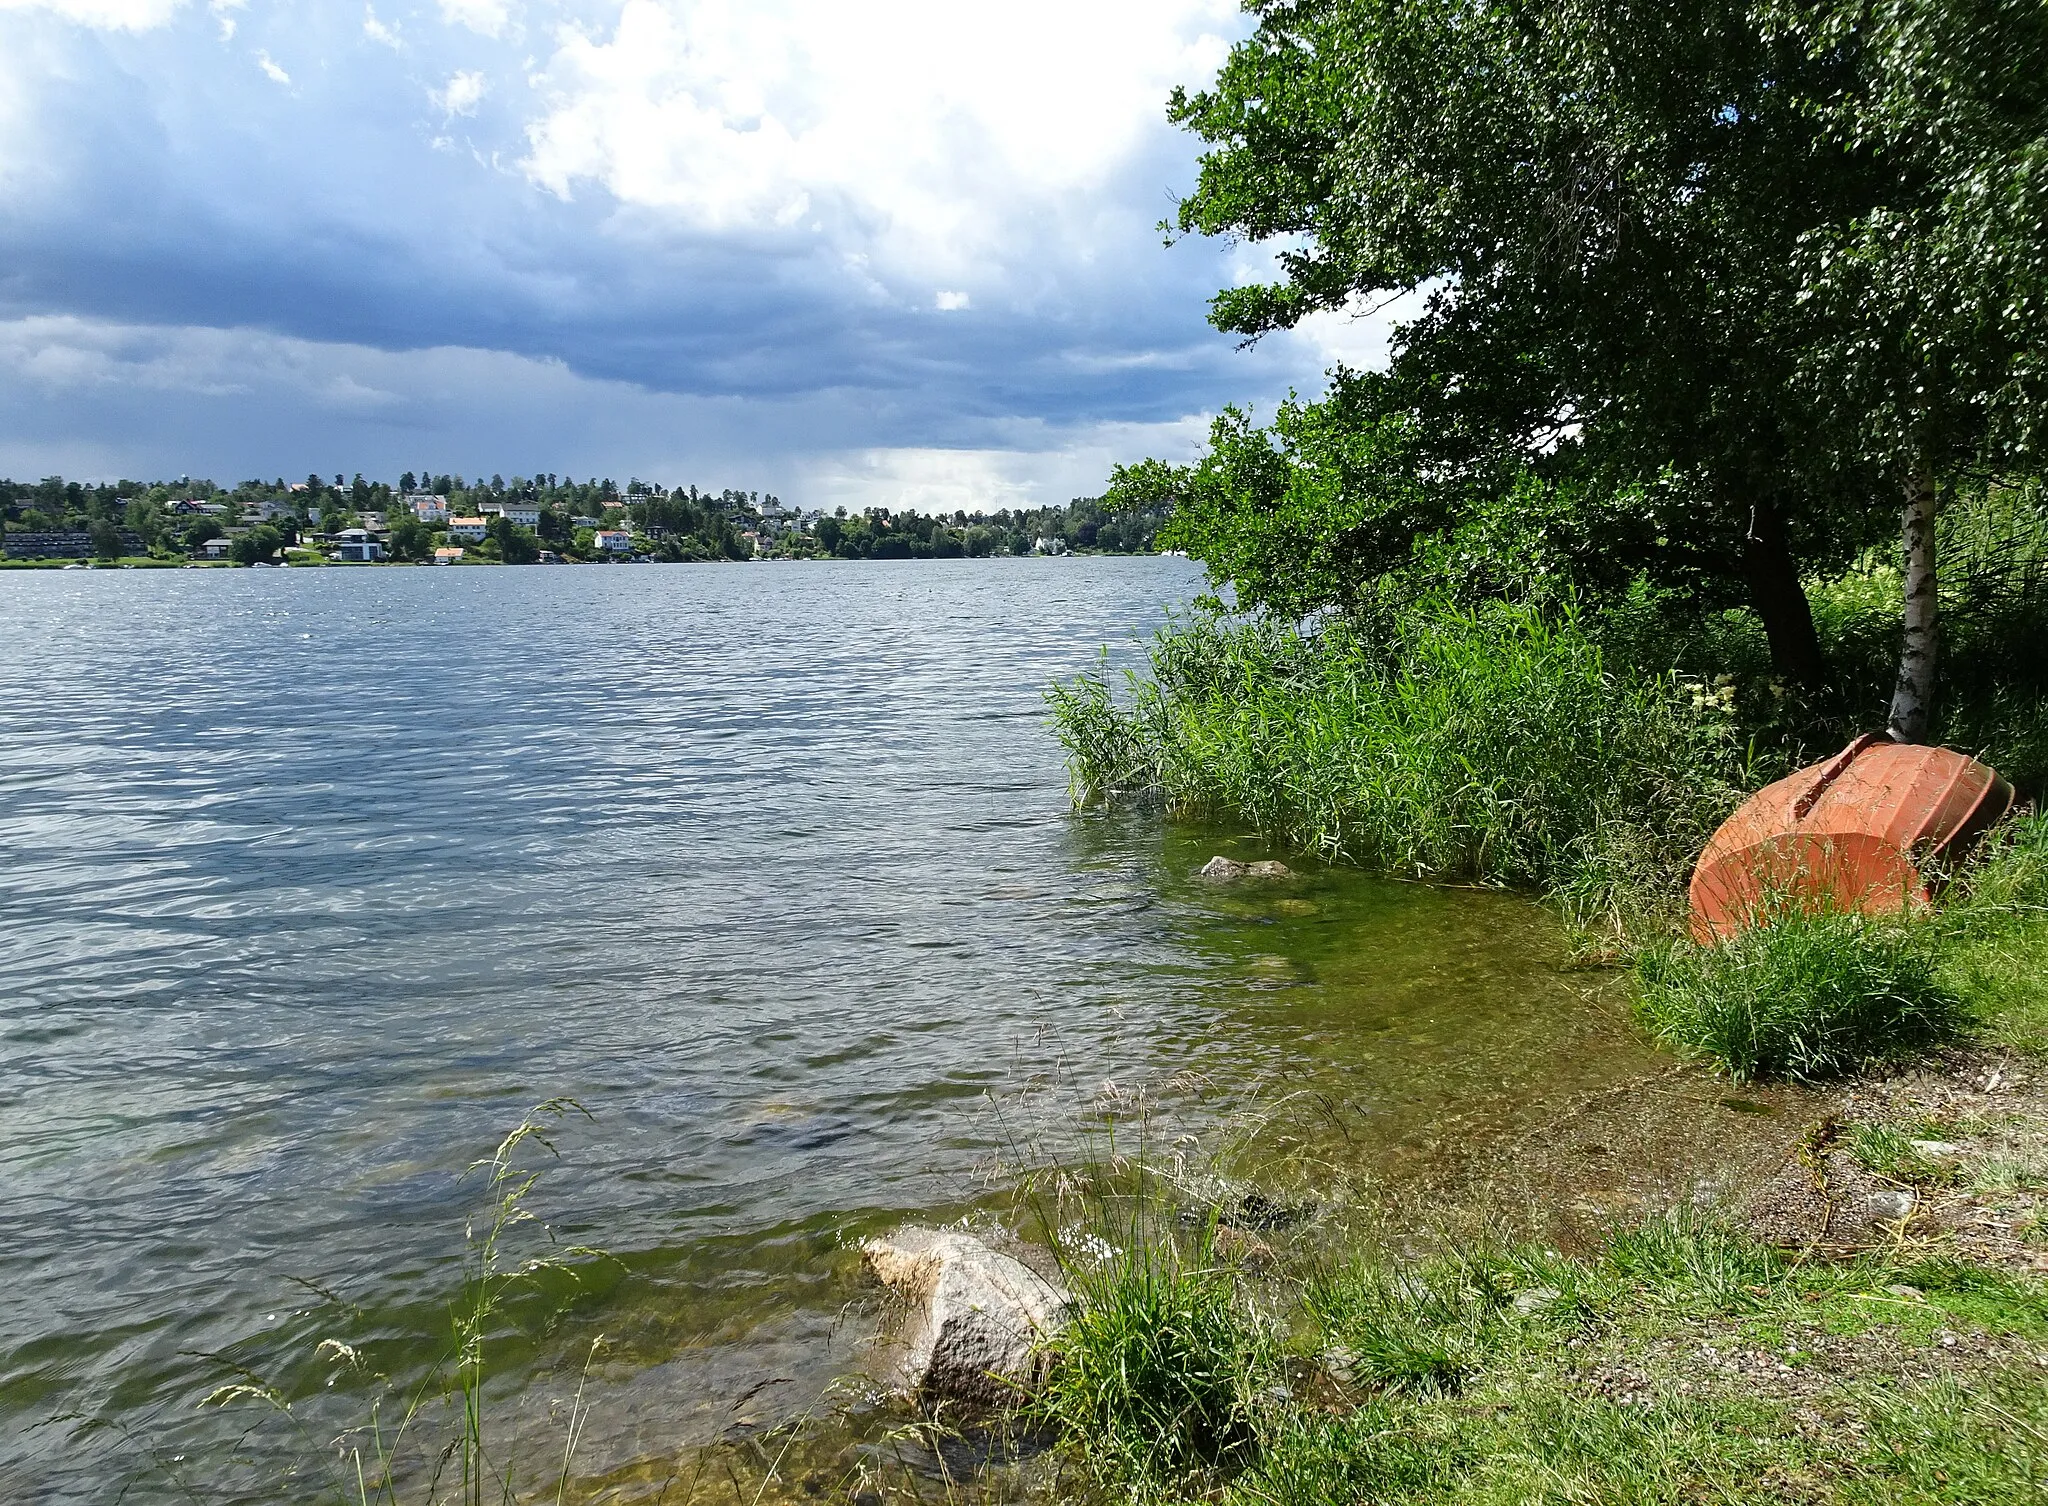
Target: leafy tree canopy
[[1707, 285]]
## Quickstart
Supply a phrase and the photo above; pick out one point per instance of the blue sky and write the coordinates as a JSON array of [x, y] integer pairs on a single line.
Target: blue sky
[[898, 253]]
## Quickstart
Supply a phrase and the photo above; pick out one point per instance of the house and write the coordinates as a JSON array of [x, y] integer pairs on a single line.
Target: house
[[73, 544], [447, 556], [356, 545], [615, 540], [374, 523], [427, 508], [583, 522], [215, 549], [472, 529], [525, 514]]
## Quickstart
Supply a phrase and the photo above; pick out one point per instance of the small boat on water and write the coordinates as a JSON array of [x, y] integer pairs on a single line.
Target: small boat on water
[[1854, 832]]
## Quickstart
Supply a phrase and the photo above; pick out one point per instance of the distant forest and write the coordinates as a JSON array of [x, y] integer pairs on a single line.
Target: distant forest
[[571, 520]]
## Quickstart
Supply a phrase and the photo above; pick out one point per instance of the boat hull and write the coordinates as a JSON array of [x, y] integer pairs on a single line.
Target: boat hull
[[1853, 833]]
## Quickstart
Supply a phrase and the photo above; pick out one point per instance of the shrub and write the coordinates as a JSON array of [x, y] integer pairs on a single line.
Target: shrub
[[1799, 994]]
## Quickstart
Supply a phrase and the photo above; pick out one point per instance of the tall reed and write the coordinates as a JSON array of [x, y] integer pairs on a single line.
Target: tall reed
[[1484, 742]]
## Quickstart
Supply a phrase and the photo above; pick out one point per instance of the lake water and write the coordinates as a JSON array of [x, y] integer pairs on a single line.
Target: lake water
[[313, 882]]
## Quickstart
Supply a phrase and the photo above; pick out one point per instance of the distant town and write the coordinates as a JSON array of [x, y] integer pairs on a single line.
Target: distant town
[[544, 519]]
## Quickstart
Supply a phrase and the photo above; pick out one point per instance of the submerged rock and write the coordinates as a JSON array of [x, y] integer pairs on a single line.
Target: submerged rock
[[1222, 869], [977, 1319], [1241, 1247]]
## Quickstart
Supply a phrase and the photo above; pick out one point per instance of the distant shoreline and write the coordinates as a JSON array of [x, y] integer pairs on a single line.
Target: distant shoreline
[[151, 563]]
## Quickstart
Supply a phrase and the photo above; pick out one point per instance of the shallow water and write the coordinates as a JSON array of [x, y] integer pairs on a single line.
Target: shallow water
[[314, 881]]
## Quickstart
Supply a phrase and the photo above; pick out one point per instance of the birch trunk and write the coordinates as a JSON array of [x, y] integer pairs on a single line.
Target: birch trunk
[[1913, 700]]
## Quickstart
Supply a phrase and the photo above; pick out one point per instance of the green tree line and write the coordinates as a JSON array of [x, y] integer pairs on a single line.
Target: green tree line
[[684, 523]]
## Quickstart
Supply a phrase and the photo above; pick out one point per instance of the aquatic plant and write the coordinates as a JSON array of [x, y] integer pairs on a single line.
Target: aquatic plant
[[1803, 993]]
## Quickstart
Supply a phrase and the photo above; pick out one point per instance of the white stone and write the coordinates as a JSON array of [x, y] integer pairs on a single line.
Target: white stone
[[978, 1320], [1938, 1151], [1889, 1204], [1221, 868]]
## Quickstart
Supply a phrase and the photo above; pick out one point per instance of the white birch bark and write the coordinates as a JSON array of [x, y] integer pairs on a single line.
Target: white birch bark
[[1913, 699]]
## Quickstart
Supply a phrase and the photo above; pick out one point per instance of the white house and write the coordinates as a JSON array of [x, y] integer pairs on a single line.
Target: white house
[[472, 529], [356, 545], [615, 540], [447, 556], [525, 514], [428, 509]]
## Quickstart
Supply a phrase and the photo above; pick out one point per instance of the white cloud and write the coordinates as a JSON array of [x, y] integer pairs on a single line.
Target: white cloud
[[1042, 465], [488, 18], [947, 299], [377, 31], [927, 130], [1359, 336], [104, 15], [464, 93], [220, 10], [271, 71]]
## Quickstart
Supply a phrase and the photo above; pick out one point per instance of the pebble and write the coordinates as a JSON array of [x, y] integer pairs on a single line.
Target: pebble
[[1889, 1204], [1938, 1151]]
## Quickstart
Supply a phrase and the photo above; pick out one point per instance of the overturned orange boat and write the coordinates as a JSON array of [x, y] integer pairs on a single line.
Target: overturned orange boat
[[1853, 832]]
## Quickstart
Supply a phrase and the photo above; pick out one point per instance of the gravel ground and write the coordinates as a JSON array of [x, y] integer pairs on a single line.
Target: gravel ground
[[1976, 1185]]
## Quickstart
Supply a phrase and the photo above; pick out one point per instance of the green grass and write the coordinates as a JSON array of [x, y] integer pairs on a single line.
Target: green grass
[[1487, 742], [1516, 1374], [1804, 994], [1888, 1151], [1162, 1372]]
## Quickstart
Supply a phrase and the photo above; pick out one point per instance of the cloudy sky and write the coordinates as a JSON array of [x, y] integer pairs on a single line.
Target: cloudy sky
[[898, 252]]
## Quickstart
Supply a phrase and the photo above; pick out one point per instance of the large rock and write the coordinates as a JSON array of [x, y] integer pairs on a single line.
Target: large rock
[[1222, 870], [977, 1319]]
